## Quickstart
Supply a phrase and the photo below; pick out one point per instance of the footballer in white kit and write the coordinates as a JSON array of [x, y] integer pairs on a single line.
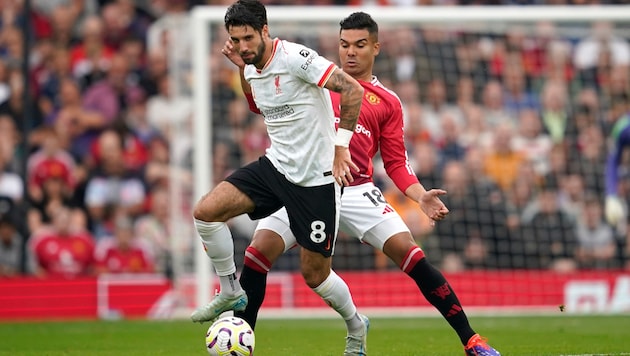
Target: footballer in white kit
[[295, 171]]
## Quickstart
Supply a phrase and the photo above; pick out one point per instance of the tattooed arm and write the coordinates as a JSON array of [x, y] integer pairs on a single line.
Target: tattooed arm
[[351, 97]]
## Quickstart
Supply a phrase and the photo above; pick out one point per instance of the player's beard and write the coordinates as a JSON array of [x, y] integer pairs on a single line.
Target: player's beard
[[260, 50]]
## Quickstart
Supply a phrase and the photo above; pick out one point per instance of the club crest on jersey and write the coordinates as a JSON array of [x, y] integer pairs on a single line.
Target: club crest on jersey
[[276, 82], [372, 98]]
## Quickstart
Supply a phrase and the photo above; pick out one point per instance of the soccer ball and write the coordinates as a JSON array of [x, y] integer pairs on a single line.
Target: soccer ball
[[230, 336]]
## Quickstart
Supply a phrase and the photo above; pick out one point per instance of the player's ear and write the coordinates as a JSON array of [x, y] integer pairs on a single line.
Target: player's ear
[[377, 48], [265, 31]]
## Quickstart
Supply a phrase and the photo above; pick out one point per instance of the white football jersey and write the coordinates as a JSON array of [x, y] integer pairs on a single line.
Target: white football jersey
[[298, 112]]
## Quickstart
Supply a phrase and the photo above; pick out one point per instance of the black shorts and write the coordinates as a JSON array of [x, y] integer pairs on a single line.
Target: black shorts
[[313, 211]]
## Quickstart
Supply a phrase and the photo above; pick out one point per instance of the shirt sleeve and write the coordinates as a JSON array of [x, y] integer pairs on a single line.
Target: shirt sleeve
[[308, 65], [393, 151]]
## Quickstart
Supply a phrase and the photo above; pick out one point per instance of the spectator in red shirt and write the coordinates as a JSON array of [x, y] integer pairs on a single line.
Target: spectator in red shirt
[[122, 253], [62, 250]]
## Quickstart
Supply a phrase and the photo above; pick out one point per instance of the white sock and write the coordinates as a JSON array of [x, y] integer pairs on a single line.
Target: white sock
[[335, 292], [219, 246]]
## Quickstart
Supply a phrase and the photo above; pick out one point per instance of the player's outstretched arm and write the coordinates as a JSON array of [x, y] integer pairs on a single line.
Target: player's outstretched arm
[[351, 97]]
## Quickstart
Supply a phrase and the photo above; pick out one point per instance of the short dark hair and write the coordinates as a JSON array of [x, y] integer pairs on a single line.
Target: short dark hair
[[246, 13], [360, 21]]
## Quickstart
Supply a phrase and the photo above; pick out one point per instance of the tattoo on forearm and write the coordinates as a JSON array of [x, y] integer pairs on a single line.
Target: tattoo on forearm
[[350, 100]]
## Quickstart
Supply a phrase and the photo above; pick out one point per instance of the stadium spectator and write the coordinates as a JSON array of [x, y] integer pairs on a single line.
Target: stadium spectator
[[112, 185], [168, 112], [52, 185], [55, 69], [107, 96], [15, 108], [61, 249], [11, 184], [517, 95], [154, 229], [502, 161], [12, 252], [476, 131], [71, 121], [91, 57], [425, 162], [596, 243], [156, 68], [494, 111], [461, 238], [549, 239], [123, 252], [587, 158], [62, 21], [449, 145], [532, 141], [601, 46], [554, 111], [435, 107]]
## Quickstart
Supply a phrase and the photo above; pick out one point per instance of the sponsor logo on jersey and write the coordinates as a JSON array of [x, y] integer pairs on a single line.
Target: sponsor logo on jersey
[[304, 53], [360, 129], [372, 98], [388, 209], [277, 112], [308, 62]]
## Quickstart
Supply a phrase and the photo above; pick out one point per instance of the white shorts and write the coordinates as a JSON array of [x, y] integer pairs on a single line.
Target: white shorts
[[364, 214]]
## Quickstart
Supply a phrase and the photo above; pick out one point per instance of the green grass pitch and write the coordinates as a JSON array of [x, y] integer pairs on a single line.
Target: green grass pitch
[[531, 336]]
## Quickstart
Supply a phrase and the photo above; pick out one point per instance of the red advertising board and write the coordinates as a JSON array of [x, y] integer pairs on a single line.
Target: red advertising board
[[152, 296]]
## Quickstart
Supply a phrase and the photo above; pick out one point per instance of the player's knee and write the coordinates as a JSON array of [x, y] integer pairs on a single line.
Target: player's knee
[[314, 278], [269, 244], [315, 273], [398, 246]]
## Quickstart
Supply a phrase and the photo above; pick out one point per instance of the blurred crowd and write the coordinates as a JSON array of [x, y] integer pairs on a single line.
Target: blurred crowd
[[95, 142]]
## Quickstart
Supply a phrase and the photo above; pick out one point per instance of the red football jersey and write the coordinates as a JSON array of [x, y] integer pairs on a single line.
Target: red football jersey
[[380, 126], [112, 259], [64, 256]]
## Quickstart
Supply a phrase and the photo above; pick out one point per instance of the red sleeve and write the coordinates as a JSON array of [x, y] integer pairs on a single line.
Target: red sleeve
[[393, 151], [252, 105]]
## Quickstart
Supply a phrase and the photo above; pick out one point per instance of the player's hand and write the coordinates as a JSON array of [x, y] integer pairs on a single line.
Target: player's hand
[[229, 52], [614, 210], [342, 166], [432, 206]]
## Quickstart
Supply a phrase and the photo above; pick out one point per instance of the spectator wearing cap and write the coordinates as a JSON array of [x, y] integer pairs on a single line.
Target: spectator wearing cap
[[51, 184], [49, 160]]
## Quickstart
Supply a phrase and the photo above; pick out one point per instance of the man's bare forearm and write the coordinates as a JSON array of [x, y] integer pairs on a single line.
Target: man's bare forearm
[[351, 97]]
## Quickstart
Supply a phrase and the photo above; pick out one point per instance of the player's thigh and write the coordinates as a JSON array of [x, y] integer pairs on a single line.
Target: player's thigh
[[366, 215], [223, 202], [385, 230]]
